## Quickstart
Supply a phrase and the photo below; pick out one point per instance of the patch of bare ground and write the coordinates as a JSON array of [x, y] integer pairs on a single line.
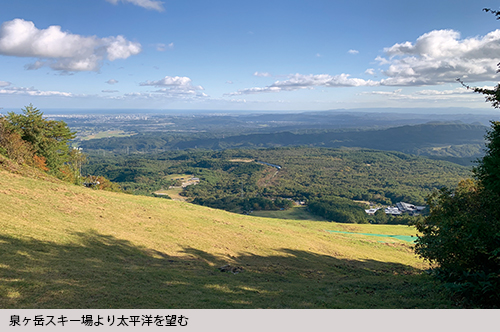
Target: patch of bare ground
[[350, 228], [241, 160], [269, 177]]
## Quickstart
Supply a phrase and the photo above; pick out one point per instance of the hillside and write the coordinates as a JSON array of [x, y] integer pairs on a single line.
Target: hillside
[[456, 142], [64, 246]]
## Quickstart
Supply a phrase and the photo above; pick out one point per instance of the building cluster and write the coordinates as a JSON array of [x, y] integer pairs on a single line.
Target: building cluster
[[186, 182], [399, 209]]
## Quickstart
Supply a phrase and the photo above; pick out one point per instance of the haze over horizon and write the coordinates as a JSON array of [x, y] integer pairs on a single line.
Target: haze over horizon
[[257, 56]]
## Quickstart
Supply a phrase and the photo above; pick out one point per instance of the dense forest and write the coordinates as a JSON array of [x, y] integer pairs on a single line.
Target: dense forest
[[234, 181]]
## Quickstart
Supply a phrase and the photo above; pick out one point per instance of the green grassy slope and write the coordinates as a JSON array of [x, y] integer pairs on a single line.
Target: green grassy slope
[[63, 246]]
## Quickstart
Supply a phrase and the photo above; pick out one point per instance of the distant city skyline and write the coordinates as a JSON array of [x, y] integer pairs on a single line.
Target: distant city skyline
[[272, 55]]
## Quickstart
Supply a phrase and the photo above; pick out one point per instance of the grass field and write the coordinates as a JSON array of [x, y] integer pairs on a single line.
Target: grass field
[[63, 246], [173, 193], [295, 213], [178, 176]]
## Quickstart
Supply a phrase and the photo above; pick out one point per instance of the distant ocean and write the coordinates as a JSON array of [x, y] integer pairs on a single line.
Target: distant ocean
[[96, 111]]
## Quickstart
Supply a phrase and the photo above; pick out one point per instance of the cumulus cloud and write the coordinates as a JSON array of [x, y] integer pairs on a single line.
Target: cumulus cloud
[[353, 51], [441, 56], [111, 81], [148, 4], [61, 50], [435, 58], [299, 81], [178, 87], [170, 81], [4, 84], [264, 74]]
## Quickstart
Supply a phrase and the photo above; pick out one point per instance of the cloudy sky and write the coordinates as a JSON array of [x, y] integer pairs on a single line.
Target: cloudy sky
[[246, 55]]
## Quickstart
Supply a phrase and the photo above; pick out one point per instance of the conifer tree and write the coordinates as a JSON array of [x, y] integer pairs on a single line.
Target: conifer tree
[[48, 138]]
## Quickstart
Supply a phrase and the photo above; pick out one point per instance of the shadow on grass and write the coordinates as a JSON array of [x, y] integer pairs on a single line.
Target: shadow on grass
[[100, 271]]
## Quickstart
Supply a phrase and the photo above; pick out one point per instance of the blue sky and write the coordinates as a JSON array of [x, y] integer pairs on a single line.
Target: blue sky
[[246, 55]]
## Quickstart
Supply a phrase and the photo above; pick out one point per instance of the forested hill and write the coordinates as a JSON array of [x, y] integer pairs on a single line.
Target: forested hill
[[459, 143], [405, 138]]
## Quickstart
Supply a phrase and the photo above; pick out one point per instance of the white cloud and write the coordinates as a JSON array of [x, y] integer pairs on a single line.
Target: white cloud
[[33, 92], [109, 91], [111, 81], [229, 82], [175, 87], [148, 4], [61, 50], [163, 94], [169, 81], [264, 74], [437, 57], [370, 71], [181, 92], [4, 84], [458, 95], [382, 61], [120, 48], [440, 56], [386, 93], [457, 91], [299, 81], [251, 91]]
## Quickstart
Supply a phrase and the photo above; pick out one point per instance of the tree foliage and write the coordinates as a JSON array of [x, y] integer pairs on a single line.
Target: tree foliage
[[48, 139], [14, 147], [462, 232], [461, 236], [339, 210], [30, 139]]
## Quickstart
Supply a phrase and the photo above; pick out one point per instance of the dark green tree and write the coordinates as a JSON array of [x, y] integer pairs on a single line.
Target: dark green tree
[[488, 169], [381, 217], [49, 138]]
